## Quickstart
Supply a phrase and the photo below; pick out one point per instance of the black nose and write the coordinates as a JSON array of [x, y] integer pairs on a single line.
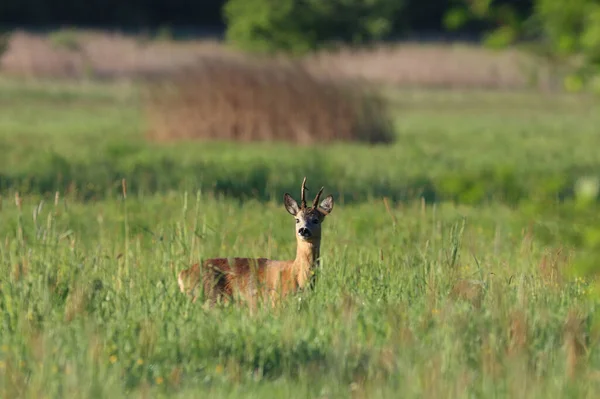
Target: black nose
[[304, 232]]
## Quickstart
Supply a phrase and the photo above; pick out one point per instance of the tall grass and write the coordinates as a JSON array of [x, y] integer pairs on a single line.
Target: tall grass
[[455, 298], [91, 307]]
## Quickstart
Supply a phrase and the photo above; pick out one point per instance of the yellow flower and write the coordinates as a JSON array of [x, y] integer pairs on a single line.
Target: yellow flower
[[219, 369], [140, 362], [435, 311], [113, 359], [159, 380]]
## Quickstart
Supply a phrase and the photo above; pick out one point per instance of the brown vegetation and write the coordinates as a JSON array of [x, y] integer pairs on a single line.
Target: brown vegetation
[[76, 54], [226, 98], [79, 54], [435, 65]]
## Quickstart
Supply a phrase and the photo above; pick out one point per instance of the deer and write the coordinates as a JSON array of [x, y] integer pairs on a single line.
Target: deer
[[253, 279]]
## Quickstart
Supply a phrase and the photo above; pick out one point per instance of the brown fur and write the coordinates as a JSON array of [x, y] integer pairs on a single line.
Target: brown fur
[[249, 279]]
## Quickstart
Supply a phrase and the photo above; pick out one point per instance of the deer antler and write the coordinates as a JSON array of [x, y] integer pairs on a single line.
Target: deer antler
[[316, 201], [303, 196]]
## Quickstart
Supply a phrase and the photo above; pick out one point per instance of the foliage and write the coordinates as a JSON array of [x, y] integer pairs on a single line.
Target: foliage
[[505, 18], [567, 32], [300, 26]]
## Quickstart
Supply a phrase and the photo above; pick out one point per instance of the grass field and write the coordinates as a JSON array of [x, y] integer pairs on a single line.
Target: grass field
[[466, 294]]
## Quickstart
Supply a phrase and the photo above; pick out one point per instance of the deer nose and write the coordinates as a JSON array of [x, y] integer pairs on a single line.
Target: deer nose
[[304, 232]]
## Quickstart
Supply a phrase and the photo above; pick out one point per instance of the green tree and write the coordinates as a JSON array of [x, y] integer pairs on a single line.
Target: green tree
[[298, 26], [567, 32]]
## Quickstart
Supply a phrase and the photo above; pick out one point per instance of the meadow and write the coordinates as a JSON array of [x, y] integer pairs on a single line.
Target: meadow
[[446, 270]]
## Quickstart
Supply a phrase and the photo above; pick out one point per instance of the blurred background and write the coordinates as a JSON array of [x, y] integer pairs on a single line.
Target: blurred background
[[436, 100]]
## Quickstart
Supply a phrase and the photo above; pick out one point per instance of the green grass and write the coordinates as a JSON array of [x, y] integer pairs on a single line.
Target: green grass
[[470, 147], [98, 312]]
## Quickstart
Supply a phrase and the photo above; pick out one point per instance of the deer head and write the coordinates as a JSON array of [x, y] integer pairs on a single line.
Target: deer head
[[308, 220]]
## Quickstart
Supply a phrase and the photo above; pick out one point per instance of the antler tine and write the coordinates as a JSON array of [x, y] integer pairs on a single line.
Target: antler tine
[[316, 201], [303, 196]]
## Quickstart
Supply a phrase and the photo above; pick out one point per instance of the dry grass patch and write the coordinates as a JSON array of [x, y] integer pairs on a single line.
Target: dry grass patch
[[444, 65], [77, 54], [226, 98]]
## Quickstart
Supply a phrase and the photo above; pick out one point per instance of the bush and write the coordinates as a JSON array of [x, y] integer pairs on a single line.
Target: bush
[[300, 26], [572, 28], [567, 33], [248, 100]]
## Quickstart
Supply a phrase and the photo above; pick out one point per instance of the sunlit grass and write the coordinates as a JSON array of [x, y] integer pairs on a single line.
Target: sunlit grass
[[413, 300], [91, 311]]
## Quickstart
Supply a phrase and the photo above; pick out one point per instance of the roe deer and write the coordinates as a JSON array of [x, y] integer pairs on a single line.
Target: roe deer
[[260, 278]]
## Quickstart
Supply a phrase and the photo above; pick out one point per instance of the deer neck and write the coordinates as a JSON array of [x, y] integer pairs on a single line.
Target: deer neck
[[307, 256]]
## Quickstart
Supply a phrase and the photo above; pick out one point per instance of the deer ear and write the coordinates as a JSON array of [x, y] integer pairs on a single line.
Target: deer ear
[[327, 204], [290, 204]]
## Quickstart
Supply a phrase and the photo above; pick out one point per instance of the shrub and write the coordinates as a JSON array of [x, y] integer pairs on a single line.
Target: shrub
[[567, 33], [300, 26], [249, 100]]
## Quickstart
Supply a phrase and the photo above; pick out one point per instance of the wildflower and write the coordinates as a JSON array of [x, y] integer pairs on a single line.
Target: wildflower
[[219, 369], [140, 362], [435, 311], [113, 359], [159, 380]]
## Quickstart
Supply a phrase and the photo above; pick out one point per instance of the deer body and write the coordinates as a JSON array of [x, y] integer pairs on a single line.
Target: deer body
[[252, 279]]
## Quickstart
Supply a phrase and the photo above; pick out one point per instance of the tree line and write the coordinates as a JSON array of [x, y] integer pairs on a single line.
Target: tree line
[[558, 29], [410, 15]]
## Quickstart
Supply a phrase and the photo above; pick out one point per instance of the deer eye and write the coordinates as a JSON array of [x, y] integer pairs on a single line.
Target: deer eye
[[297, 220], [315, 221]]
